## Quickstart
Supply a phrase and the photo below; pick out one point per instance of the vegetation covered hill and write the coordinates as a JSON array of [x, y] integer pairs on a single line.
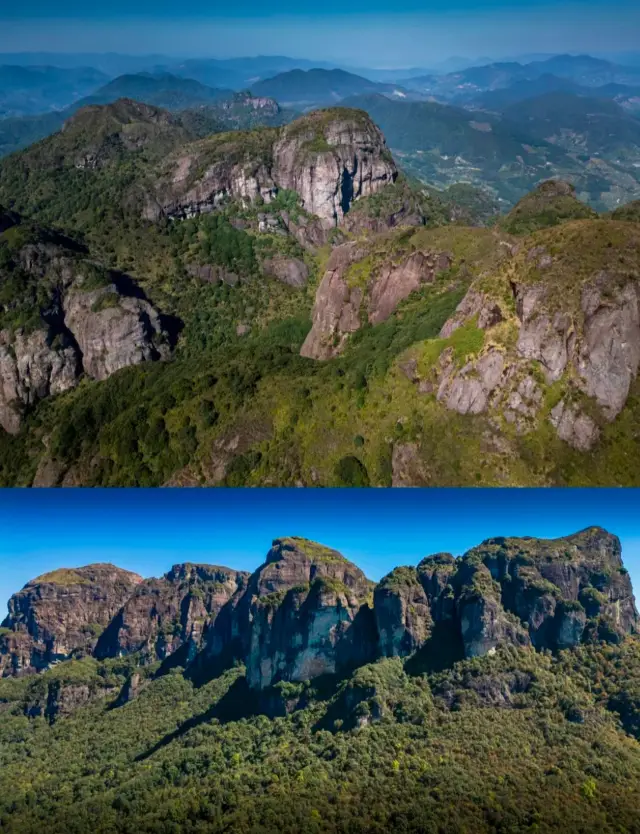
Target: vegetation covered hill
[[318, 87], [202, 109], [151, 737], [161, 90], [28, 91], [582, 124], [591, 142], [453, 359]]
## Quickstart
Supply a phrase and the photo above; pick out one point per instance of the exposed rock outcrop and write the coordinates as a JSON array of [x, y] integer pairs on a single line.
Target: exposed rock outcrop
[[336, 312], [329, 157], [332, 158], [403, 615], [93, 322], [552, 594], [308, 612], [356, 284], [162, 615], [580, 333], [543, 336], [307, 615], [114, 331], [609, 354], [61, 613], [291, 271], [33, 366], [394, 283], [467, 390]]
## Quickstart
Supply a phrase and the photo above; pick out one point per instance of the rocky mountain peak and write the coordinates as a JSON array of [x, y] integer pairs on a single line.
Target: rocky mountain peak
[[331, 158], [61, 613], [307, 611], [295, 560]]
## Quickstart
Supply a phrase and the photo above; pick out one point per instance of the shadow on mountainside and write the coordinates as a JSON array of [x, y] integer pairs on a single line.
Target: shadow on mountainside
[[238, 702]]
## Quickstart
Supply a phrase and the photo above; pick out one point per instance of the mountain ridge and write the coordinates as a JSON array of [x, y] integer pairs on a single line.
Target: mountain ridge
[[308, 612]]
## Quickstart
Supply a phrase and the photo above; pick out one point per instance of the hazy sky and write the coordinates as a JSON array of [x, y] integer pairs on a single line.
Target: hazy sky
[[361, 32], [148, 531]]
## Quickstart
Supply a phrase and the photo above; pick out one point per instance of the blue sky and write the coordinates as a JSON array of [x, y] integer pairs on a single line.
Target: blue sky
[[147, 531], [361, 32]]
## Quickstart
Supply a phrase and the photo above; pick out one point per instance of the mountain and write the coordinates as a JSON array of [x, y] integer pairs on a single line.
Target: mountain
[[162, 90], [586, 70], [320, 317], [205, 676], [496, 100], [591, 142], [203, 110], [109, 63], [581, 124], [241, 73], [27, 91], [444, 145], [318, 87], [467, 84], [307, 611], [21, 131]]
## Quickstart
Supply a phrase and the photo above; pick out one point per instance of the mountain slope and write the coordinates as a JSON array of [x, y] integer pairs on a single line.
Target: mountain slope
[[160, 90], [581, 124], [469, 83], [420, 737], [30, 90], [444, 145], [319, 87], [591, 142], [340, 324]]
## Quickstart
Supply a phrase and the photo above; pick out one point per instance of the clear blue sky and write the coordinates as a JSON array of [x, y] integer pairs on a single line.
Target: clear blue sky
[[147, 531], [364, 32]]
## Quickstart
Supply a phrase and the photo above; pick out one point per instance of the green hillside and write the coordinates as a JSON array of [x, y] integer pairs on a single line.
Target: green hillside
[[237, 404], [388, 748]]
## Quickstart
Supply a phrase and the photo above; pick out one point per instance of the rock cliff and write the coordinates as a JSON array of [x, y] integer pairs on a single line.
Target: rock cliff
[[308, 612], [365, 281], [549, 593], [331, 158], [60, 614], [163, 615], [307, 615], [553, 336], [72, 317]]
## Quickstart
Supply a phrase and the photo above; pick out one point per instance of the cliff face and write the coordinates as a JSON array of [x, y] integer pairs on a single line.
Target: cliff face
[[61, 613], [306, 616], [165, 614], [549, 593], [81, 319], [308, 611], [560, 341], [360, 282], [330, 157]]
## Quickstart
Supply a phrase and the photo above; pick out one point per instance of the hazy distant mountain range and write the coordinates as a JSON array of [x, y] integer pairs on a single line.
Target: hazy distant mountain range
[[502, 126]]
